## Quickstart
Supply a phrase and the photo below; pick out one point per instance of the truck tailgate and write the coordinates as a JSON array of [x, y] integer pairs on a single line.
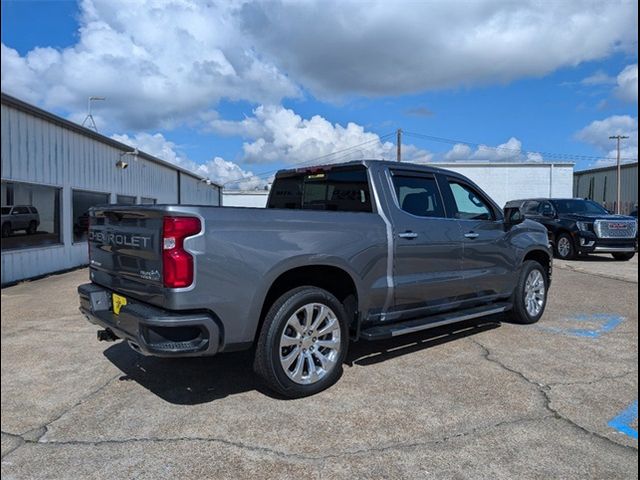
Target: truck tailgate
[[125, 250]]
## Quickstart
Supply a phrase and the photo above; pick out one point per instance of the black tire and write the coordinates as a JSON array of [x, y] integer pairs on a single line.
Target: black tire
[[33, 226], [6, 229], [267, 362], [623, 257], [519, 312], [565, 254]]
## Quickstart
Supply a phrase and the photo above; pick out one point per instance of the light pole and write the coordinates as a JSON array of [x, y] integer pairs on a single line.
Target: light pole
[[619, 169]]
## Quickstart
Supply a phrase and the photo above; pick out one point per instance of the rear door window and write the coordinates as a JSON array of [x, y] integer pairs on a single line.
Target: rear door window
[[418, 195]]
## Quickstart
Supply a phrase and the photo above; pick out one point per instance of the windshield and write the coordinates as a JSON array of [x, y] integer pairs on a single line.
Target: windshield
[[579, 206]]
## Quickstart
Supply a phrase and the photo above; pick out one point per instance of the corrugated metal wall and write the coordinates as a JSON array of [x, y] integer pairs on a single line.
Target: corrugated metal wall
[[514, 181], [601, 185], [38, 151]]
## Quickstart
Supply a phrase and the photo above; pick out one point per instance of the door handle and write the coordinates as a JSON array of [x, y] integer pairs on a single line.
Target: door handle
[[408, 235], [471, 235]]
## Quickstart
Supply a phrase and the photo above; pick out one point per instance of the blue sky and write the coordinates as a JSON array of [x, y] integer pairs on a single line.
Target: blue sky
[[231, 91]]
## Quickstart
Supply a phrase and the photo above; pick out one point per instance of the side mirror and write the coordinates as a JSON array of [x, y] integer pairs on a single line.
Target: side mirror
[[513, 216]]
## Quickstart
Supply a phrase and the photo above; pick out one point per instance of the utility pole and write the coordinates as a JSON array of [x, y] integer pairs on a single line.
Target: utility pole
[[399, 145], [619, 181]]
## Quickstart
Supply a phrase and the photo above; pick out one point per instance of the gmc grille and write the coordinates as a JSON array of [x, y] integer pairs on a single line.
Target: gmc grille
[[615, 228]]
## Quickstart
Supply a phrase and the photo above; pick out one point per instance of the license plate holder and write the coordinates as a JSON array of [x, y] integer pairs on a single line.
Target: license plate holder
[[118, 301]]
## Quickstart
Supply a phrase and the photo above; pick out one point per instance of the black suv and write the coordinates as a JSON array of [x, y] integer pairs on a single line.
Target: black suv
[[577, 227]]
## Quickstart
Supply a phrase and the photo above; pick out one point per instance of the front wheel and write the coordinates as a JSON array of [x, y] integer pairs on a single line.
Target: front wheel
[[623, 257], [303, 343], [33, 227], [530, 296], [564, 247]]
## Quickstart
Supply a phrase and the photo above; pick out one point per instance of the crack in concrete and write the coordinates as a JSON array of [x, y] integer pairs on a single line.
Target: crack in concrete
[[574, 269], [21, 441], [545, 390], [37, 434], [597, 380], [289, 455]]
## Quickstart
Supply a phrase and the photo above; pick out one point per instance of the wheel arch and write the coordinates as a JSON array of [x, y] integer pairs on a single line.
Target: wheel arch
[[543, 257], [332, 278]]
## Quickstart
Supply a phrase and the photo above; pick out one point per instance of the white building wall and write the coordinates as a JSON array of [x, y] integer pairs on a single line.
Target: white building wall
[[513, 181], [46, 151], [252, 198]]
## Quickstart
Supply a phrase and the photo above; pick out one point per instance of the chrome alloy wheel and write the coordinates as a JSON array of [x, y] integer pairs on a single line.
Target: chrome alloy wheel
[[310, 343], [564, 247], [534, 293]]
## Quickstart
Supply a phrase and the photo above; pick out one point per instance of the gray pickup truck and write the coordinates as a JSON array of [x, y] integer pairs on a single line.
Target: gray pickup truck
[[365, 250]]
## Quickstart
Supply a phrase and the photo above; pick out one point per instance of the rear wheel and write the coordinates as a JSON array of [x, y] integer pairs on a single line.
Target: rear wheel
[[530, 296], [623, 257], [6, 229], [564, 247], [33, 226], [303, 343]]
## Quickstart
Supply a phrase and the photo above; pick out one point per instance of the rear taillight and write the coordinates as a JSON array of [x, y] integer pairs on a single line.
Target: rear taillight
[[177, 264]]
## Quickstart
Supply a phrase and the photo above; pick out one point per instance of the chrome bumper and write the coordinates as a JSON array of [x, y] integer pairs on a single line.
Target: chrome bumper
[[614, 249]]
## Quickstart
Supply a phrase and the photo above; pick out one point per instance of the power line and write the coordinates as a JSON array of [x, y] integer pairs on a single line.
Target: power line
[[310, 162], [562, 156]]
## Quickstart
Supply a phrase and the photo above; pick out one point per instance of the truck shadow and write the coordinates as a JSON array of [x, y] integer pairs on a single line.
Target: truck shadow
[[193, 381]]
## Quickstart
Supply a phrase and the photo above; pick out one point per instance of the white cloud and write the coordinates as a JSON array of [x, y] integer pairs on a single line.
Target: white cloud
[[510, 151], [382, 48], [598, 78], [627, 88], [164, 63], [218, 170], [157, 63], [278, 134], [597, 133]]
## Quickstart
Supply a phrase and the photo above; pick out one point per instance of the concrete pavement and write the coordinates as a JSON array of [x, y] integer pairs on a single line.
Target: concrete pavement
[[479, 400]]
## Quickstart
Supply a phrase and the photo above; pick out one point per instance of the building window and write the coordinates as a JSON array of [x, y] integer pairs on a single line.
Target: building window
[[30, 215], [82, 202], [125, 200], [148, 201]]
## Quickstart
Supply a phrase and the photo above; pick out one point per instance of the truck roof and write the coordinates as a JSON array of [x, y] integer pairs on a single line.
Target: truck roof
[[431, 168]]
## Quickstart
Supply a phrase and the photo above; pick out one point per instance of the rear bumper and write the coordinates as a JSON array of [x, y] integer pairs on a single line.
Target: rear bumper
[[151, 330]]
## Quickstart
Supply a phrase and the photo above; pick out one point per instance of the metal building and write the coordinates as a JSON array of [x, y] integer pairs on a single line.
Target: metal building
[[54, 170], [600, 185], [513, 181], [245, 198]]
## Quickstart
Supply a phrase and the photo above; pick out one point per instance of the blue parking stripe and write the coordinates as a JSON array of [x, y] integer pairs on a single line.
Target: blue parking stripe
[[623, 421], [608, 322]]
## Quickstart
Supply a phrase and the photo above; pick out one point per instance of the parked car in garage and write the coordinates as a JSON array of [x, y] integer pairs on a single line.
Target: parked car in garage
[[19, 217], [579, 226]]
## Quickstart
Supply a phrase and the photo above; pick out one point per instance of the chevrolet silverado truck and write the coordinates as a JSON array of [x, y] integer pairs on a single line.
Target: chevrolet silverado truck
[[365, 250], [578, 227]]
